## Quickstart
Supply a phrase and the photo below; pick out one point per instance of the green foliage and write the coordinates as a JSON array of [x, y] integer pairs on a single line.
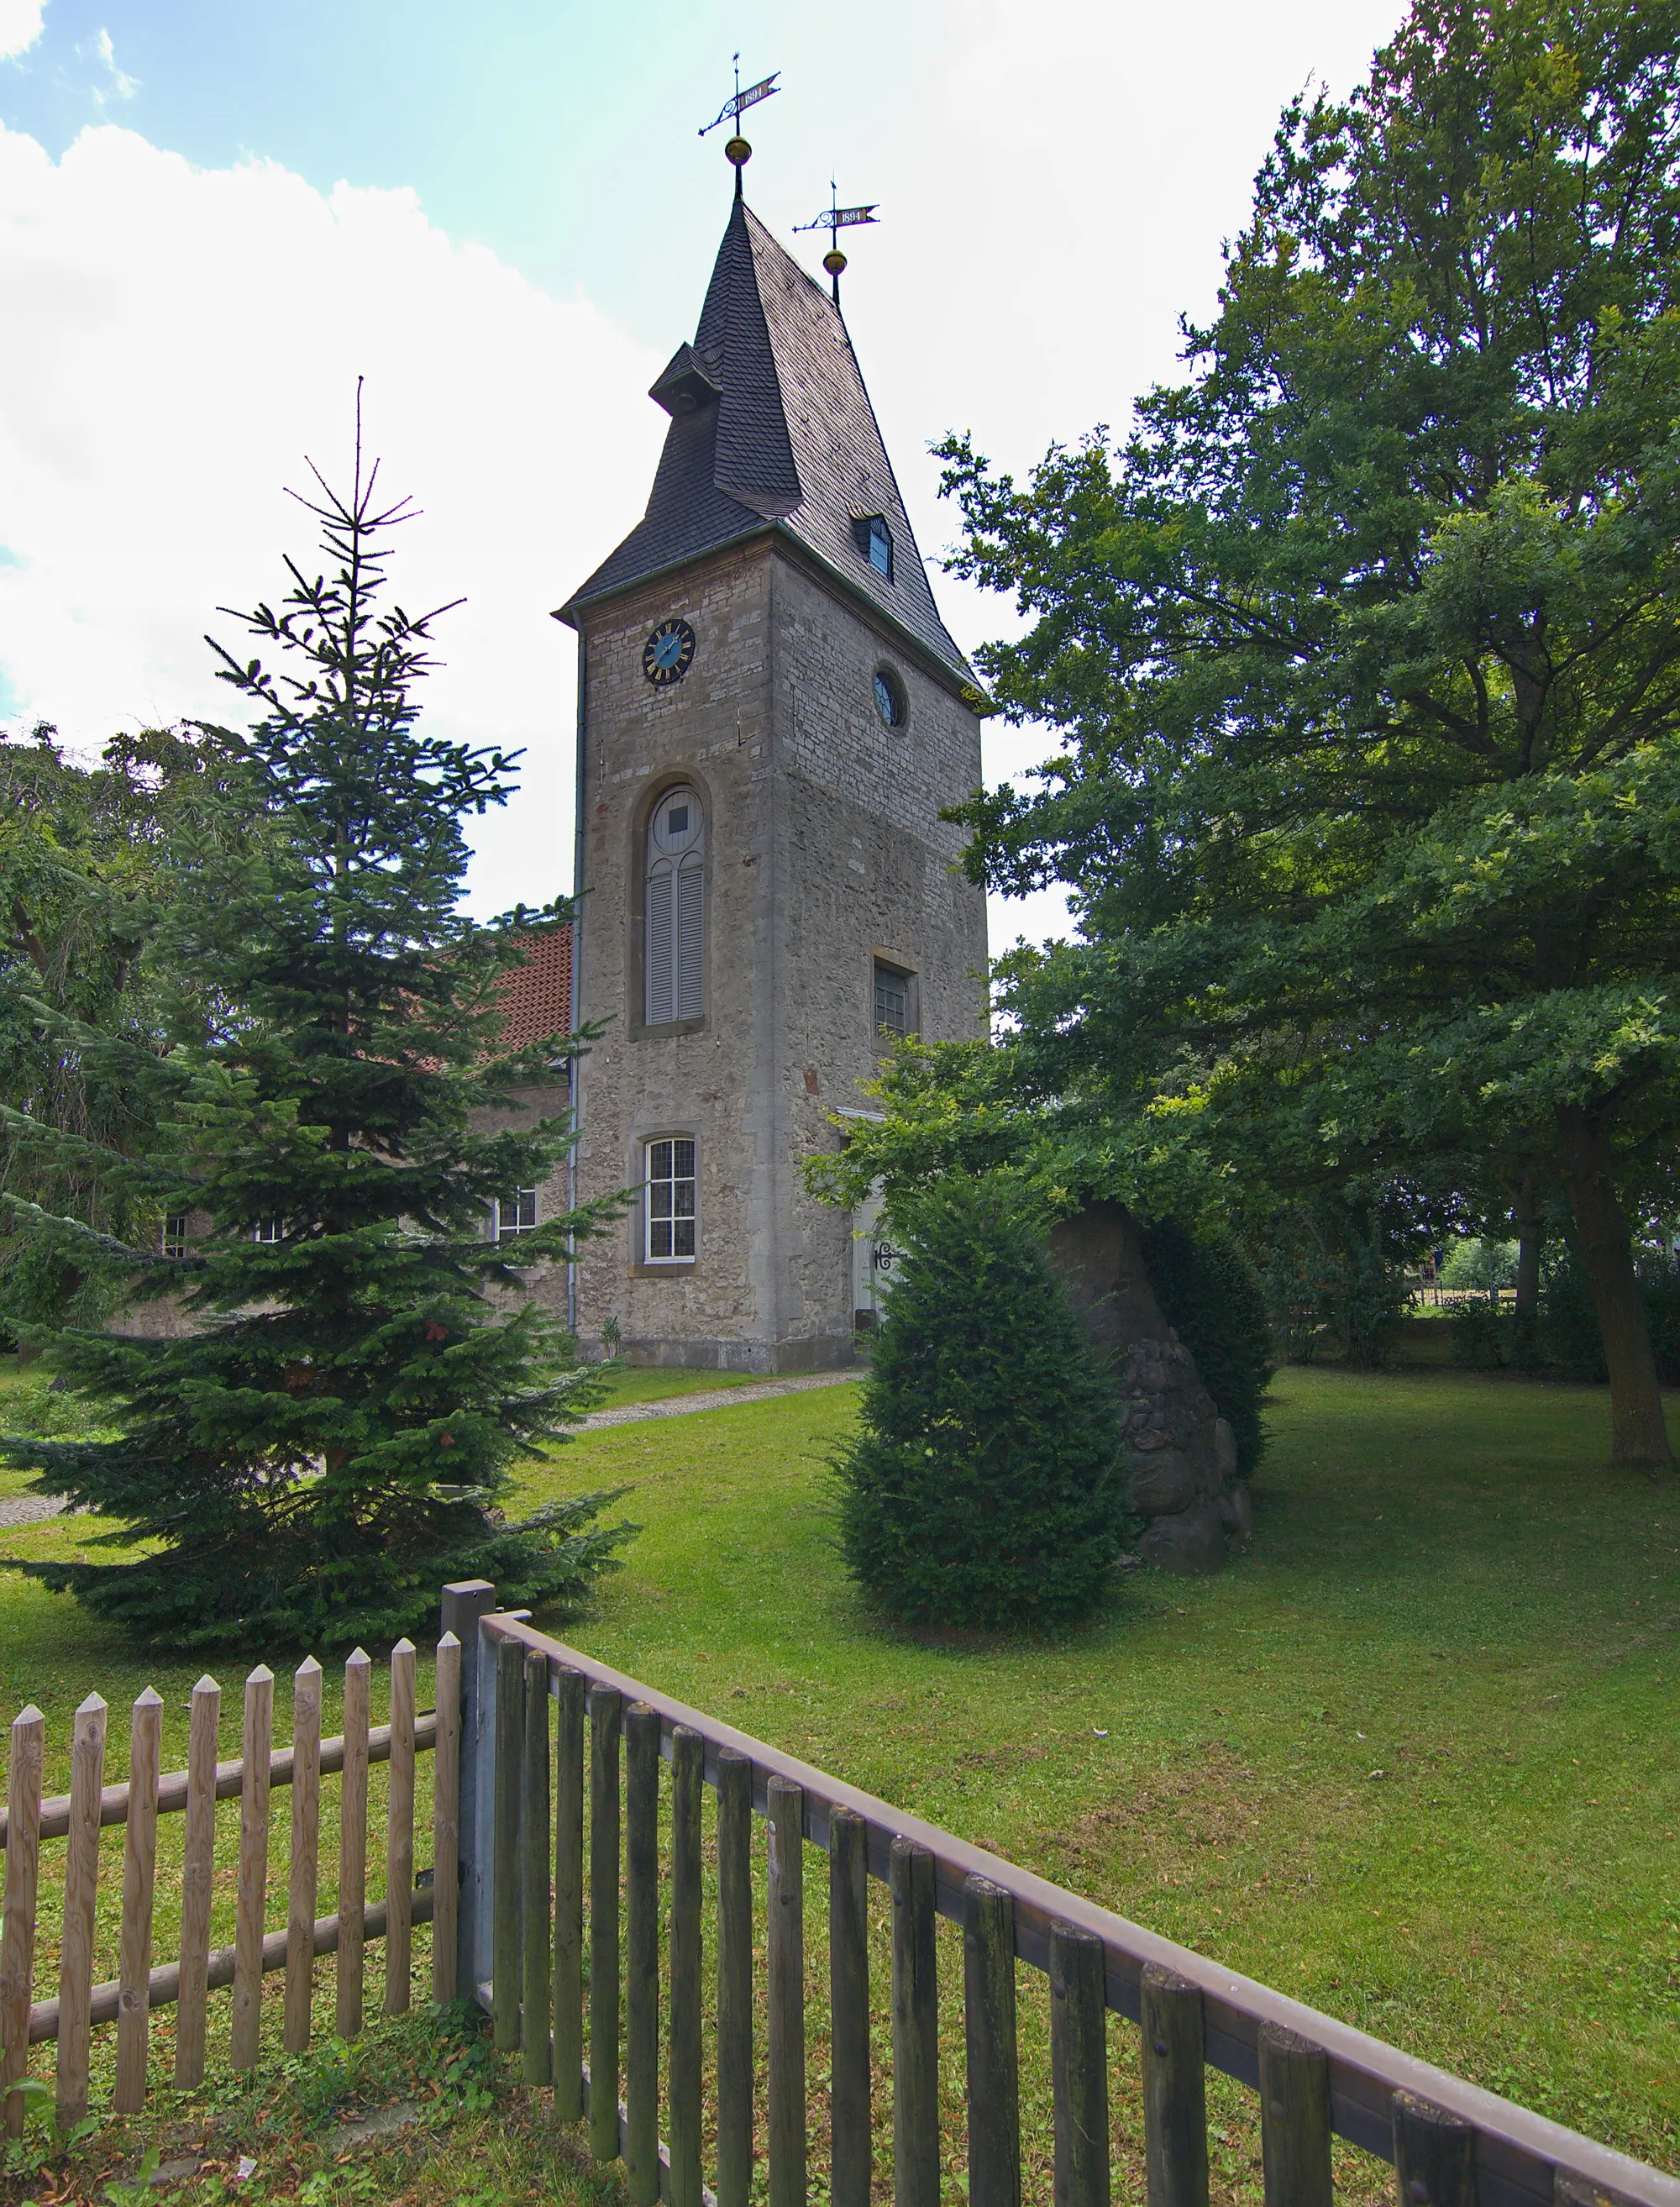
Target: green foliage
[[983, 1487], [1336, 1274], [333, 1438], [84, 880], [1479, 1263], [1211, 1294], [1367, 641], [1563, 1338]]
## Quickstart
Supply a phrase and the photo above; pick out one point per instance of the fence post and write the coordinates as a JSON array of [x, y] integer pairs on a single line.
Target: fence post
[[463, 1604]]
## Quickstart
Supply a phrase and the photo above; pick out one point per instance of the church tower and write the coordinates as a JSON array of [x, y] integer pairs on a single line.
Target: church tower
[[771, 717]]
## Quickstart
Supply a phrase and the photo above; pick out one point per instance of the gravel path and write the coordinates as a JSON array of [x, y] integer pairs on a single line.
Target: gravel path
[[30, 1509], [719, 1399]]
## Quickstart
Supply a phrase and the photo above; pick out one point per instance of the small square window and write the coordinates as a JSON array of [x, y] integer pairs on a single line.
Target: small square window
[[269, 1230], [893, 1010], [175, 1235], [510, 1216], [672, 1223], [875, 541]]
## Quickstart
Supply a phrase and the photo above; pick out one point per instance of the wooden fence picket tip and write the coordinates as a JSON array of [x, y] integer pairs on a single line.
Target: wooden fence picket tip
[[140, 1870], [1079, 2068], [353, 1844], [851, 2141], [26, 1752], [505, 1926], [606, 1714], [734, 1979], [568, 1965], [304, 1881], [446, 1821], [256, 1752], [993, 2065], [399, 1834], [82, 1880], [641, 1768], [1294, 2119], [1434, 2155], [915, 2027], [684, 2057], [1174, 2089], [197, 1871], [785, 2004], [536, 1930]]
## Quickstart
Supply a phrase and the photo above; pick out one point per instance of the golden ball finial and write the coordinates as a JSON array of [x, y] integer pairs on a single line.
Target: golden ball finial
[[834, 260], [739, 152]]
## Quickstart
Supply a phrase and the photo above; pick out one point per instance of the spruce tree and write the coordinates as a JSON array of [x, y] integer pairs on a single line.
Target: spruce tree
[[332, 1439], [985, 1486]]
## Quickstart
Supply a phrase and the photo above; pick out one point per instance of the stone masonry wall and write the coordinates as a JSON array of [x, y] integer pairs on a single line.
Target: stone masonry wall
[[824, 849]]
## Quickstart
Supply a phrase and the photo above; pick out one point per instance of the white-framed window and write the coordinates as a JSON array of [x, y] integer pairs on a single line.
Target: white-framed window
[[675, 889], [894, 1000], [671, 1229], [175, 1234], [269, 1229], [513, 1214]]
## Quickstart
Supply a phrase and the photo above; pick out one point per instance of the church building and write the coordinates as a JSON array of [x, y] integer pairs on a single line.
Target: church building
[[771, 718]]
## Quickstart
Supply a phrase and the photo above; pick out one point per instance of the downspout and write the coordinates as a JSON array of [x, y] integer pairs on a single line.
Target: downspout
[[575, 1064]]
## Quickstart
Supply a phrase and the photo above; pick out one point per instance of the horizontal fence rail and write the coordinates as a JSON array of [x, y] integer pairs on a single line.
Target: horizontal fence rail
[[522, 1941], [128, 2000]]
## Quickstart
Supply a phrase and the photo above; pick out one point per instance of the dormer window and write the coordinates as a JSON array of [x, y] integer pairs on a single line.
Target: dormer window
[[875, 541]]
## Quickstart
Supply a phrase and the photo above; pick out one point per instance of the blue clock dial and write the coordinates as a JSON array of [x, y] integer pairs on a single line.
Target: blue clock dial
[[666, 654]]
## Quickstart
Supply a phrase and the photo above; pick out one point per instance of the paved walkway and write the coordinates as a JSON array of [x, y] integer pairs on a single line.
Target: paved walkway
[[719, 1399], [30, 1509]]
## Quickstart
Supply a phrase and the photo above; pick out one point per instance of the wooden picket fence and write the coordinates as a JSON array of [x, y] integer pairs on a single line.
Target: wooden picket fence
[[568, 1897], [564, 1901], [148, 1794]]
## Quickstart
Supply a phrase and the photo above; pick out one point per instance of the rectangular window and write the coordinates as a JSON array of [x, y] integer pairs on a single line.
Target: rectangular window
[[671, 1209], [892, 1002], [175, 1235], [510, 1216], [269, 1229]]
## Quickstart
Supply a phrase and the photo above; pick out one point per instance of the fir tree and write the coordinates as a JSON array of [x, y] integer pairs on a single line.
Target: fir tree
[[330, 1441], [984, 1485]]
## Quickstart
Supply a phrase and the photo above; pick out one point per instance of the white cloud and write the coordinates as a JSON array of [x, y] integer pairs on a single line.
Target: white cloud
[[20, 26], [186, 337], [117, 84]]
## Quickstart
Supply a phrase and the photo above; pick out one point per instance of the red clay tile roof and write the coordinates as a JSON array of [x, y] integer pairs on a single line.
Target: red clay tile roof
[[537, 995]]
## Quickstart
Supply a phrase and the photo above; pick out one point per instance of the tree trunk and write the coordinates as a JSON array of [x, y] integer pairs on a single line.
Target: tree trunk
[[1530, 1223], [1639, 1437]]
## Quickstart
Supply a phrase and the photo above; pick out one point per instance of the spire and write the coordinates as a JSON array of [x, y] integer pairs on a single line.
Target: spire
[[772, 431]]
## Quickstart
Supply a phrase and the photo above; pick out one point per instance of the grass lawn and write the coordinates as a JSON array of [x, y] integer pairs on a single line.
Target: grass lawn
[[1411, 1760]]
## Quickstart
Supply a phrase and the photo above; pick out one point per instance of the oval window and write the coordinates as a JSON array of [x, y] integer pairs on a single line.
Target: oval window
[[889, 699]]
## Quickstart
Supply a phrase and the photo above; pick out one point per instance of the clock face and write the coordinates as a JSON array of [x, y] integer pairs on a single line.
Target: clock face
[[666, 655]]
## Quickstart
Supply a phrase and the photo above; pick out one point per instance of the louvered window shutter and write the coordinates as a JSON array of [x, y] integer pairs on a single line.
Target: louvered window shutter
[[662, 947], [690, 933]]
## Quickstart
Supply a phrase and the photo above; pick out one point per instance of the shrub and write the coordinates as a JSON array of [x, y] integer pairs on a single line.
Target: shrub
[[1211, 1295], [984, 1485]]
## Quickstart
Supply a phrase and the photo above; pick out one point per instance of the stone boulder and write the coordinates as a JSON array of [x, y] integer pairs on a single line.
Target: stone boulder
[[1181, 1453]]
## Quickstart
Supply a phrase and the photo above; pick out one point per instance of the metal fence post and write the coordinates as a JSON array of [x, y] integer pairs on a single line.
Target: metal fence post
[[463, 1604]]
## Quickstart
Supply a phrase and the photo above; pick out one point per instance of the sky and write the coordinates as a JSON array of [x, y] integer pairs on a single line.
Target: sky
[[216, 214]]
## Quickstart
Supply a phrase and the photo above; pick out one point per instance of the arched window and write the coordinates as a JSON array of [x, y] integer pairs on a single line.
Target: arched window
[[676, 900]]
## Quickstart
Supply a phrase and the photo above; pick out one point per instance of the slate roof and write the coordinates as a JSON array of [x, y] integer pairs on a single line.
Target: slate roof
[[772, 429]]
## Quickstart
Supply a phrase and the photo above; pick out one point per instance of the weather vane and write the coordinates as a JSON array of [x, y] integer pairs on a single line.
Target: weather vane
[[834, 218], [736, 151]]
